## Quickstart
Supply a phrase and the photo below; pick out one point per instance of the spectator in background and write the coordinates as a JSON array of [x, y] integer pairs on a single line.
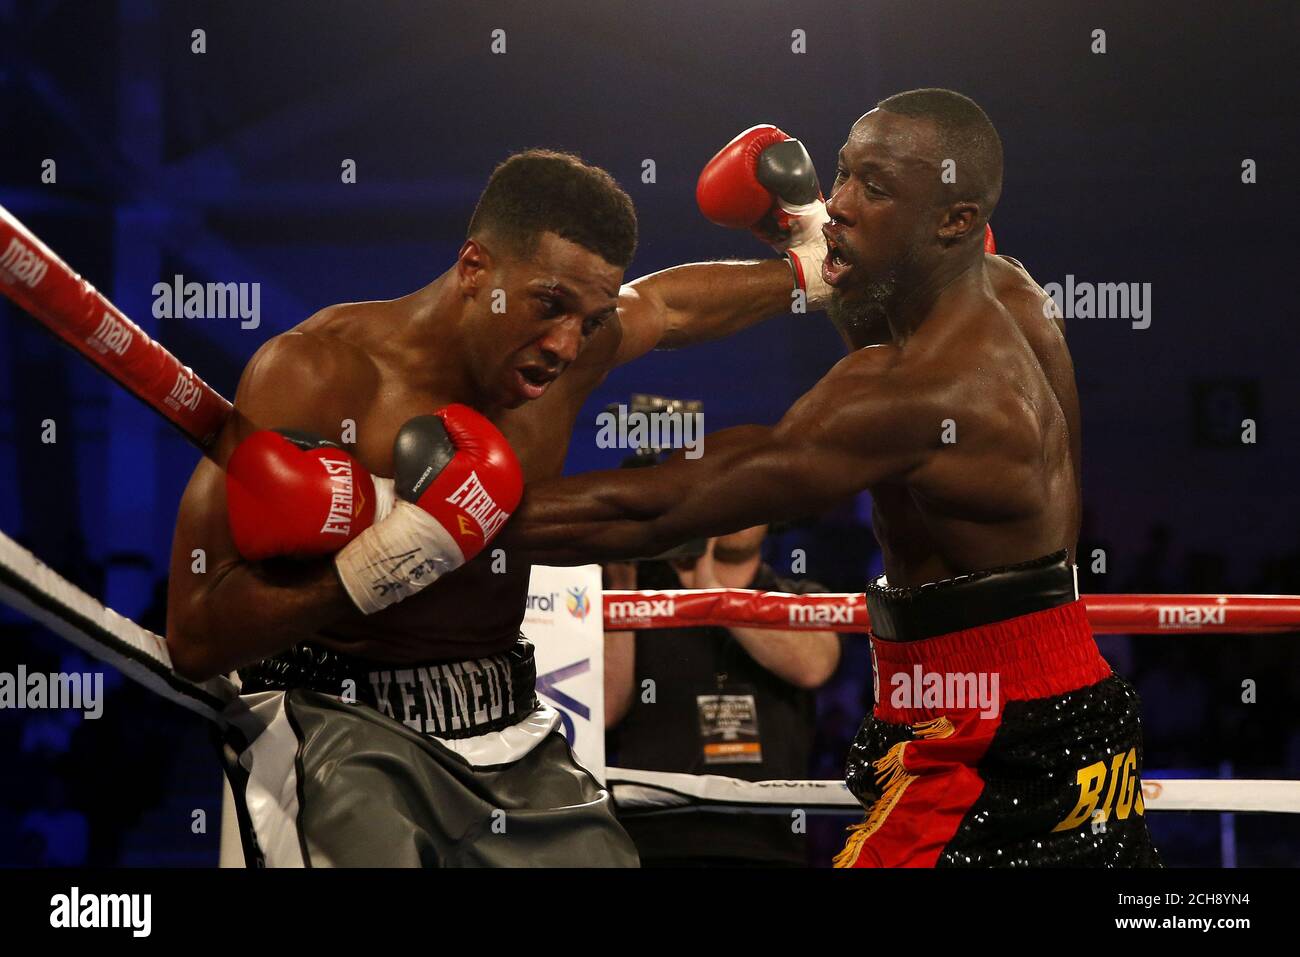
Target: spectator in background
[[732, 701]]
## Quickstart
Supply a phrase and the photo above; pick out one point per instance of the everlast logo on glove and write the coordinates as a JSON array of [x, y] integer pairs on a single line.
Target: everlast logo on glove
[[478, 505], [292, 494], [339, 521]]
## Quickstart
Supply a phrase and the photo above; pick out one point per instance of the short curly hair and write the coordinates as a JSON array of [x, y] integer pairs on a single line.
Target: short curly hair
[[540, 191]]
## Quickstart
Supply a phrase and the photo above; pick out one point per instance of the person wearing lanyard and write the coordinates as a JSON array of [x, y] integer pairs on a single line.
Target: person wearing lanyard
[[707, 700]]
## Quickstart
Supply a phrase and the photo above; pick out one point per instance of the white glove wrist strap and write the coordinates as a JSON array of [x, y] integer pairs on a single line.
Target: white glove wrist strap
[[395, 558]]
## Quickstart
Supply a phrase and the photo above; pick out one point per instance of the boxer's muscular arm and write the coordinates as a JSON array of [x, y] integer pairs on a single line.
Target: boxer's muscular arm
[[234, 612], [698, 302], [867, 421]]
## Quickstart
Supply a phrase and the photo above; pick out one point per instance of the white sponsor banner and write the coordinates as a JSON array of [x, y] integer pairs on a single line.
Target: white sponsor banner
[[564, 621]]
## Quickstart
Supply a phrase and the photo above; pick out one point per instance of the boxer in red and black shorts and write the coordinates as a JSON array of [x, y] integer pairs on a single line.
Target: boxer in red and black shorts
[[1000, 735], [956, 408]]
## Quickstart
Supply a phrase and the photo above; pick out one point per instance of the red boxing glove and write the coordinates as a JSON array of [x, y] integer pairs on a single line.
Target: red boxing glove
[[457, 481], [458, 467], [764, 181], [989, 245], [728, 191], [294, 494]]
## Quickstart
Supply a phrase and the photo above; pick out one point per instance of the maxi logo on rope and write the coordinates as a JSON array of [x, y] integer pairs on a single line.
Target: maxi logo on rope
[[1180, 616]]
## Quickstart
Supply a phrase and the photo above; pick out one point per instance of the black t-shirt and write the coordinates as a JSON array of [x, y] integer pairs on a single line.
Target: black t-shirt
[[715, 711]]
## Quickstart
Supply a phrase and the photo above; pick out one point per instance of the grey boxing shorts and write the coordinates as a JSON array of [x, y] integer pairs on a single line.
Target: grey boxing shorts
[[345, 763]]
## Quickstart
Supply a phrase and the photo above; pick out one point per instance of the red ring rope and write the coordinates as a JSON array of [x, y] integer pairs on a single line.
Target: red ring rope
[[35, 278], [1109, 614]]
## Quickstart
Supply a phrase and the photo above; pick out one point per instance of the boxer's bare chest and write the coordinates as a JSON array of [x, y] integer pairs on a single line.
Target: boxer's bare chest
[[1005, 490]]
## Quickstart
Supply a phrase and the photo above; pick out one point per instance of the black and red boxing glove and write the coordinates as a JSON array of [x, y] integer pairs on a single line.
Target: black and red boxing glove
[[457, 481], [764, 181], [290, 494]]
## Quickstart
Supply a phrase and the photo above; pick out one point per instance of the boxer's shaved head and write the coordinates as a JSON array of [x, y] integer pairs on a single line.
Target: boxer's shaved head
[[540, 191], [965, 135], [915, 184]]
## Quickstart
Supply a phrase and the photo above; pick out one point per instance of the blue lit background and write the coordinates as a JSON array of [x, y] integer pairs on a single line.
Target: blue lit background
[[225, 166]]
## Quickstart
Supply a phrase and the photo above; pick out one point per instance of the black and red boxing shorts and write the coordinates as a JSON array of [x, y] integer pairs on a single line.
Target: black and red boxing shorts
[[1000, 736]]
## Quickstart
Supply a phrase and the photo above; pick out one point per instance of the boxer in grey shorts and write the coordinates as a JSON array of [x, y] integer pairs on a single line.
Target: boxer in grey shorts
[[451, 764]]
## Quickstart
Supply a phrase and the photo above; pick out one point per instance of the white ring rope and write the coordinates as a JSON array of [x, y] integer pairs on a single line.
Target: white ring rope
[[663, 790], [32, 587]]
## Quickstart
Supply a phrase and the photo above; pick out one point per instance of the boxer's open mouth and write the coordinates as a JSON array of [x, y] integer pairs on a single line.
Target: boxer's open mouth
[[836, 265], [533, 381]]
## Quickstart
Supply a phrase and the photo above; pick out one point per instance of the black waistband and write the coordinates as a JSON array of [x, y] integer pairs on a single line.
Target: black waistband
[[981, 598], [450, 699]]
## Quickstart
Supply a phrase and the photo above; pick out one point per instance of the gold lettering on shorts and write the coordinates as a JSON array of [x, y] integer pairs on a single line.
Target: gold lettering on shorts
[[1119, 777]]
